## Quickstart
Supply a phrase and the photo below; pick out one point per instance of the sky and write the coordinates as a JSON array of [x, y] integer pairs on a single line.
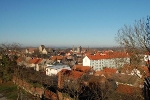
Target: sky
[[86, 23]]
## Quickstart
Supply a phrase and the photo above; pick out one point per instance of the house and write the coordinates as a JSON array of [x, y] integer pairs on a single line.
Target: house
[[69, 53], [126, 89], [34, 62], [100, 82], [23, 61], [42, 49], [128, 84], [66, 75], [141, 71], [110, 60], [69, 58], [85, 69], [62, 53], [30, 50], [54, 69], [20, 61], [131, 80], [57, 59], [79, 55], [106, 72]]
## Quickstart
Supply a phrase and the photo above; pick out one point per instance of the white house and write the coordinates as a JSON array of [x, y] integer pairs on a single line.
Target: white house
[[98, 62], [53, 70]]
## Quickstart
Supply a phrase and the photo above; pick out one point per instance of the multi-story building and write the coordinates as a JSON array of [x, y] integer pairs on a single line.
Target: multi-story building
[[110, 60]]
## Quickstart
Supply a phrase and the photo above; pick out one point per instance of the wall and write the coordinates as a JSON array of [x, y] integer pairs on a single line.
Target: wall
[[86, 61], [36, 91]]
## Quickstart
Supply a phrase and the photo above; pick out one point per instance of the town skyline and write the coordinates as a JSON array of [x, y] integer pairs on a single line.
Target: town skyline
[[42, 71], [67, 23]]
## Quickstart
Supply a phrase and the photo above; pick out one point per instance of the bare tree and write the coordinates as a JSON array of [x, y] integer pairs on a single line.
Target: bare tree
[[135, 40], [72, 87], [88, 88]]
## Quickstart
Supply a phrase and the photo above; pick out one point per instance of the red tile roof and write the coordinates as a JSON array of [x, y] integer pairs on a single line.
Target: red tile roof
[[81, 68], [71, 73], [99, 79], [107, 75], [126, 89], [35, 60], [110, 70], [127, 69], [19, 59], [76, 74], [109, 55], [57, 57]]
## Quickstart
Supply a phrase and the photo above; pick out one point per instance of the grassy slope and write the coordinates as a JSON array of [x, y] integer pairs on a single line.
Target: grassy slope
[[9, 90]]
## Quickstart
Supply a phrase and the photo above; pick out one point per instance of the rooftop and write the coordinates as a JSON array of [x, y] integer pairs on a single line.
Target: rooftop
[[60, 66], [126, 79], [126, 89], [81, 68], [57, 57], [71, 73], [35, 60], [108, 55]]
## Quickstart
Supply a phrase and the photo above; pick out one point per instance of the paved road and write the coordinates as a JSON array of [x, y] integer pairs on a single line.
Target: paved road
[[2, 97]]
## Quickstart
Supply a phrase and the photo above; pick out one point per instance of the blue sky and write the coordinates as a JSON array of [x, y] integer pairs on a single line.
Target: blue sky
[[92, 23]]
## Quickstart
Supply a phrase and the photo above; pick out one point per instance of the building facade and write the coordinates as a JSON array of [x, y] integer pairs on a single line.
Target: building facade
[[98, 62], [54, 69]]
